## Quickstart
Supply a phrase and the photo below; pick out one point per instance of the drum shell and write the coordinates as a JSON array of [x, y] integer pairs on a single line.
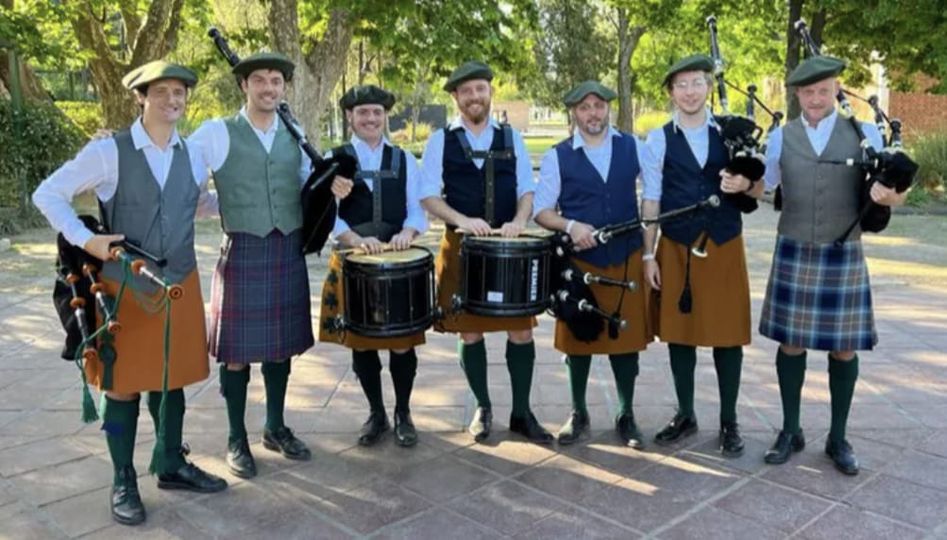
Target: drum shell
[[505, 277]]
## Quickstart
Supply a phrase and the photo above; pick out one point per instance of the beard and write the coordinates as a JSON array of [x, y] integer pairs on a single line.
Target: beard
[[594, 127], [480, 115]]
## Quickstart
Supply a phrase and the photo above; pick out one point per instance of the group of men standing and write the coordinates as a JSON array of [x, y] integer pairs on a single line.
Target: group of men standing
[[151, 184]]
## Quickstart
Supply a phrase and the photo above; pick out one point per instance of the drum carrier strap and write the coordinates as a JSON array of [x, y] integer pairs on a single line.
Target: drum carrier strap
[[488, 156], [376, 177]]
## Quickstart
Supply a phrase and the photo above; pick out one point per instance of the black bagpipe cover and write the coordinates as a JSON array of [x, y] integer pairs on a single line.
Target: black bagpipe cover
[[896, 170], [739, 135], [69, 259], [586, 326], [318, 202]]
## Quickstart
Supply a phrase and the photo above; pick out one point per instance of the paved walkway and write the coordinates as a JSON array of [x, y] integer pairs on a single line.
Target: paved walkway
[[55, 472]]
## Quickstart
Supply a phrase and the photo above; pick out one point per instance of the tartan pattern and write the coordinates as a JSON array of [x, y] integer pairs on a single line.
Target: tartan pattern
[[819, 297], [260, 307]]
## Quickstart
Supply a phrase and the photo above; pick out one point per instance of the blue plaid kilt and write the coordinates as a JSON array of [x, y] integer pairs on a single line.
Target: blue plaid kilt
[[260, 299], [819, 297]]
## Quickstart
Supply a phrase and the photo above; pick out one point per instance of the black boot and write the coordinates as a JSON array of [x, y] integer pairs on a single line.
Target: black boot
[[373, 428], [731, 444], [530, 428], [125, 501], [628, 431], [190, 477], [576, 427], [239, 459], [481, 424], [786, 443], [283, 440], [679, 427], [843, 456], [405, 434]]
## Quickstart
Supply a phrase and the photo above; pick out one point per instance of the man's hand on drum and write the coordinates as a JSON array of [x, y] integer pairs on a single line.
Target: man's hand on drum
[[512, 229], [371, 245], [403, 239], [474, 226], [581, 234], [341, 186]]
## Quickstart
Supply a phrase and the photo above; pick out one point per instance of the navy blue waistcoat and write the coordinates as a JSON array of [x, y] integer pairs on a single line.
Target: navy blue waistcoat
[[356, 209], [464, 182]]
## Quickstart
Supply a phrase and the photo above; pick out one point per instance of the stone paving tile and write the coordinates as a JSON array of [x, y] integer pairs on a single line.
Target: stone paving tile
[[708, 453], [723, 524], [508, 507], [773, 506], [851, 524], [62, 481], [20, 522], [369, 507], [812, 471], [924, 469], [37, 455], [234, 510], [568, 478], [936, 444], [903, 501], [43, 424], [437, 523], [443, 478], [576, 524], [505, 453]]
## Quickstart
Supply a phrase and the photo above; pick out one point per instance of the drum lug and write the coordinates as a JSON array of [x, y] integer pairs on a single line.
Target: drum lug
[[456, 303]]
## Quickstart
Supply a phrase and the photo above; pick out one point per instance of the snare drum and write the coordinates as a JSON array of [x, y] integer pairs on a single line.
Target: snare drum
[[505, 277], [390, 294]]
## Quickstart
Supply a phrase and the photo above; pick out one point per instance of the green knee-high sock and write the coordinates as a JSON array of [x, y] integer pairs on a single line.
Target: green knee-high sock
[[842, 378], [579, 366], [683, 362], [625, 368], [154, 409], [173, 431], [473, 360], [275, 378], [120, 424], [367, 367], [520, 358], [403, 368], [233, 386], [791, 372], [729, 363]]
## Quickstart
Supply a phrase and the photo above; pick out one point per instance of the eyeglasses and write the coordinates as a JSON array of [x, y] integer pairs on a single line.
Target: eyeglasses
[[696, 84]]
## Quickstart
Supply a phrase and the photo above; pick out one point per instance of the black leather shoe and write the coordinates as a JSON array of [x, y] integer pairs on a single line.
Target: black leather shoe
[[373, 428], [575, 428], [785, 445], [530, 428], [125, 501], [628, 431], [190, 477], [481, 423], [283, 441], [239, 459], [679, 427], [731, 443], [843, 456], [405, 434]]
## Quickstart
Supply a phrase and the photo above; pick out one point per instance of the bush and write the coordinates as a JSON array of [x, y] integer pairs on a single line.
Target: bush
[[403, 136], [86, 115], [44, 141], [930, 152]]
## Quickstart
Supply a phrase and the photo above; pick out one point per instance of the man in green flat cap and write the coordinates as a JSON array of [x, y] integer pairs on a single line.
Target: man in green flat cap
[[694, 291], [141, 176], [588, 181], [818, 295], [383, 207], [260, 311], [477, 177]]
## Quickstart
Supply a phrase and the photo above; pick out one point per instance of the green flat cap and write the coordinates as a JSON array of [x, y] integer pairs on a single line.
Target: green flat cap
[[813, 70], [157, 70], [468, 71], [583, 89], [265, 60], [368, 94], [696, 62]]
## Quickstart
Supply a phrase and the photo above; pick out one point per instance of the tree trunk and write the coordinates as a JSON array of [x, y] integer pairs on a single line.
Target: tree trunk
[[30, 85], [628, 38], [316, 72], [792, 56]]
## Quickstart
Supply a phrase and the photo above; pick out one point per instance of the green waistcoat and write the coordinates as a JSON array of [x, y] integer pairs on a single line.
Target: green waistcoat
[[259, 191]]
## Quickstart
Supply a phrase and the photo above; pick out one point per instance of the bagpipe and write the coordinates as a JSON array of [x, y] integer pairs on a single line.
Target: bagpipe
[[740, 133], [890, 166], [318, 203], [571, 298]]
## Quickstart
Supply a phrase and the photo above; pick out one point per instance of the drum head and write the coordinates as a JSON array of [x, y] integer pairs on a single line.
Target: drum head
[[389, 257], [525, 240]]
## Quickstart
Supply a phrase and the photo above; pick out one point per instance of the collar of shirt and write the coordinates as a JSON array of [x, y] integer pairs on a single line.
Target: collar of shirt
[[358, 142], [268, 131], [458, 123], [579, 142], [822, 126], [708, 120], [141, 139]]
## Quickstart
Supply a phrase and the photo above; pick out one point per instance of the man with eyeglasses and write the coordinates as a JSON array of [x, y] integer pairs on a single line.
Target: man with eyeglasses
[[704, 301]]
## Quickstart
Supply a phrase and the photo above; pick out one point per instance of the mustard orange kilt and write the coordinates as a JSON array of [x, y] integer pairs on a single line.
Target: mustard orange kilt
[[448, 270], [139, 346], [720, 289], [634, 309], [333, 302]]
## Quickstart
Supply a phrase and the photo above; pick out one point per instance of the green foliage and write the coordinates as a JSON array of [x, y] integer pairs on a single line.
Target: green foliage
[[403, 136], [86, 115], [930, 152], [34, 142], [648, 121]]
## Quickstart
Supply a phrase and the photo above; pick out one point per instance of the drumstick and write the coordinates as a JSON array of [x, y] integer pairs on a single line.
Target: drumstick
[[493, 232], [363, 251]]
